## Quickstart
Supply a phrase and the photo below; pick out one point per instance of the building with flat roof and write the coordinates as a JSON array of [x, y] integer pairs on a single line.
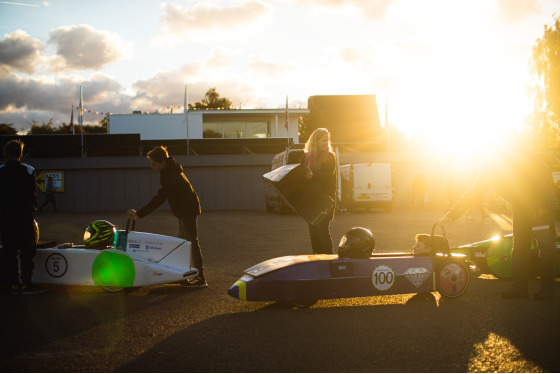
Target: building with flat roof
[[211, 124]]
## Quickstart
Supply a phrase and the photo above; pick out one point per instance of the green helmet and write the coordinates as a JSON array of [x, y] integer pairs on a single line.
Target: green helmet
[[99, 234]]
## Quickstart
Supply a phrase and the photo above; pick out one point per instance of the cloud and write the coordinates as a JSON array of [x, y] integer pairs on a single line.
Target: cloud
[[167, 87], [81, 47], [19, 52], [269, 66], [205, 17], [46, 98], [373, 9], [515, 11]]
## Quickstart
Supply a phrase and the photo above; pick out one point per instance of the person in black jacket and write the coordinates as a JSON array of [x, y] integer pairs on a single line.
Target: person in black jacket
[[320, 160], [521, 177], [184, 203], [18, 204]]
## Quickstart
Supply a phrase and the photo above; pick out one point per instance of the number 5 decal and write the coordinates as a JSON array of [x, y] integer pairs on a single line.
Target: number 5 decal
[[383, 277], [56, 265]]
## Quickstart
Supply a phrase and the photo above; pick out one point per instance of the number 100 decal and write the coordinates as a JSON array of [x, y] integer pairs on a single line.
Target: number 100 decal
[[56, 265], [383, 277]]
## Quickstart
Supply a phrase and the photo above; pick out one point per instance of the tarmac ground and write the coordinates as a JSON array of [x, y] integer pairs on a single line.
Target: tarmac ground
[[171, 328]]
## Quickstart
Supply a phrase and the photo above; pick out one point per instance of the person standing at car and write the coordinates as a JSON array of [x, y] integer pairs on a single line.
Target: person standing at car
[[184, 203], [523, 179], [49, 194], [320, 161], [18, 204]]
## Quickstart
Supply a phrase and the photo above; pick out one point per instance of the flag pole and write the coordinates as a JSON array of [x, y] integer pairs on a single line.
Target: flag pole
[[287, 115], [81, 118], [186, 110], [72, 120], [387, 124]]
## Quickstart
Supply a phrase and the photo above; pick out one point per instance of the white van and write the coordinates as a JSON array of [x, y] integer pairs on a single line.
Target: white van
[[366, 185], [287, 157]]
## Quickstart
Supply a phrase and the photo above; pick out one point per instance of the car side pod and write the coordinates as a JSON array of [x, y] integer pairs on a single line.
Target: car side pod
[[304, 279]]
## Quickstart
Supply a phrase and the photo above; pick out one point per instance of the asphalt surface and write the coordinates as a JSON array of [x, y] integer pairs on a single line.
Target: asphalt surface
[[176, 329]]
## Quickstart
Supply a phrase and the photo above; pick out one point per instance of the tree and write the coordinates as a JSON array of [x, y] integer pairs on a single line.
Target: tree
[[45, 128], [545, 68], [212, 100], [63, 129], [7, 129]]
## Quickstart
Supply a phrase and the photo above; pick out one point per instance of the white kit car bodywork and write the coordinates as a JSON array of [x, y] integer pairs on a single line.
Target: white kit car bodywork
[[137, 259]]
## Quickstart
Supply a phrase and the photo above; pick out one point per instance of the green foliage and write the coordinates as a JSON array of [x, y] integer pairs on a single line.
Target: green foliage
[[45, 128], [304, 129], [63, 129], [545, 67], [7, 129], [212, 100], [48, 129]]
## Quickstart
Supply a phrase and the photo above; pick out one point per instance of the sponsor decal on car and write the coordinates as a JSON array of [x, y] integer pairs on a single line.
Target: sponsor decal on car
[[154, 246], [417, 276], [383, 277], [56, 265]]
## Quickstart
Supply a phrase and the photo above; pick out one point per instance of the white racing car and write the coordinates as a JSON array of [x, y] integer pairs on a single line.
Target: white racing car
[[115, 260]]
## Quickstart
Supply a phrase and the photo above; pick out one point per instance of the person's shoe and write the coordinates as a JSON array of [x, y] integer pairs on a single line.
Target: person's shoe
[[544, 294], [30, 289], [196, 282], [15, 289], [515, 293]]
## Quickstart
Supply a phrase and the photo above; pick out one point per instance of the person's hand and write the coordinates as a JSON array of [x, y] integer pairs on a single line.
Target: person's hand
[[308, 174], [131, 213], [444, 221]]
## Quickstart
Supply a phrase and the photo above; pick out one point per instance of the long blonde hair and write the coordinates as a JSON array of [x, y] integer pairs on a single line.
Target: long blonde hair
[[311, 149]]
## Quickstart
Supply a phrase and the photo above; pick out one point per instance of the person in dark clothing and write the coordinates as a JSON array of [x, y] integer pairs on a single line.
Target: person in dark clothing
[[18, 204], [320, 160], [184, 203], [49, 194], [521, 177]]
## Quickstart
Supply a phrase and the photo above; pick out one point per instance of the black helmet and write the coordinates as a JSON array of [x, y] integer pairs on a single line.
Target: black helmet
[[99, 234], [356, 243]]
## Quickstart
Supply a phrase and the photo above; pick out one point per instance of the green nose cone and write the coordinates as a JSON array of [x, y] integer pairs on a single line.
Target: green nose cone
[[113, 270]]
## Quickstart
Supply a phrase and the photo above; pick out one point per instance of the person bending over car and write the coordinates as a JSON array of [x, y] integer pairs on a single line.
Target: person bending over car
[[184, 203], [521, 177]]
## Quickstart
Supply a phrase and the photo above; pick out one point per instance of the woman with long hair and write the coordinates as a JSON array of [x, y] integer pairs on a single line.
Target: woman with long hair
[[320, 161]]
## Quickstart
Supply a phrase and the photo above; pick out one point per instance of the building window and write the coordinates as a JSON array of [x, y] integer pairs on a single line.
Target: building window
[[212, 130], [235, 130], [257, 130]]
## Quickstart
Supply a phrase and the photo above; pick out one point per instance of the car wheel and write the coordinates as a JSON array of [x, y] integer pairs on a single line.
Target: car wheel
[[452, 278]]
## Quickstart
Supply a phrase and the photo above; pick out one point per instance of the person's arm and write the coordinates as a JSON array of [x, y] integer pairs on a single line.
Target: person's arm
[[33, 191], [153, 204], [474, 192]]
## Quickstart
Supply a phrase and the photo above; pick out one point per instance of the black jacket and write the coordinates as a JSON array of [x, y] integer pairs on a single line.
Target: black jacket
[[177, 190], [18, 194], [324, 179]]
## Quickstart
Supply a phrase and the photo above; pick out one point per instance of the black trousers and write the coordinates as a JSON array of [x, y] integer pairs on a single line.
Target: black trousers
[[523, 222], [188, 230], [49, 198], [321, 241], [19, 243]]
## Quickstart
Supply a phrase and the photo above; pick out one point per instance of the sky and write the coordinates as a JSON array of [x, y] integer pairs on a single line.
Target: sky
[[450, 69]]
